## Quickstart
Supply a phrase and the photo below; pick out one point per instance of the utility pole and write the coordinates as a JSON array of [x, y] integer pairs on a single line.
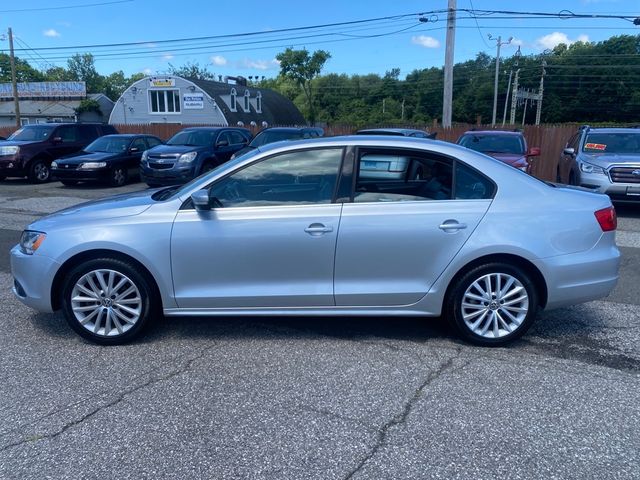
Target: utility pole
[[14, 84], [402, 114], [540, 91], [506, 100], [447, 96], [499, 43], [514, 98]]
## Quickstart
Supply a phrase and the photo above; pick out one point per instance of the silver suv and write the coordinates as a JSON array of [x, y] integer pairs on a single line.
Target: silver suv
[[606, 160]]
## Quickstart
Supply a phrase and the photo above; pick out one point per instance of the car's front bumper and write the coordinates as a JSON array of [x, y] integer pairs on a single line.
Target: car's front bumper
[[33, 278], [170, 176], [618, 191], [81, 175], [11, 165]]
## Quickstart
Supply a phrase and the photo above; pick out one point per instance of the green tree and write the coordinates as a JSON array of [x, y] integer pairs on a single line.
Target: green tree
[[302, 68], [24, 71], [82, 68], [192, 70]]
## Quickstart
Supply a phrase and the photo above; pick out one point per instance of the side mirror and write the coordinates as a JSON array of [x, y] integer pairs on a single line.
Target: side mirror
[[569, 151], [200, 200], [533, 152], [222, 143], [56, 140], [134, 149], [433, 135]]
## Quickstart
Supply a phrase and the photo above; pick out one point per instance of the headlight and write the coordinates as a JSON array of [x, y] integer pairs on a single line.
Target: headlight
[[589, 168], [30, 241], [144, 157], [92, 165], [9, 150], [187, 157], [54, 164]]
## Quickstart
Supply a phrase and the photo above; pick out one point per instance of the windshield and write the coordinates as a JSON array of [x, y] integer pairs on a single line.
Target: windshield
[[494, 143], [626, 143], [195, 138], [109, 144], [32, 133], [178, 191], [270, 136]]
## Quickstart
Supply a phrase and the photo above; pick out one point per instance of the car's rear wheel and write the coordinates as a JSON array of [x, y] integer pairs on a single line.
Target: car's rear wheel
[[107, 301], [39, 172], [118, 176], [493, 304]]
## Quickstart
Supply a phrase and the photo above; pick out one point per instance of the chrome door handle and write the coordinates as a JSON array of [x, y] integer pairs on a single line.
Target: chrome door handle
[[316, 229], [448, 225]]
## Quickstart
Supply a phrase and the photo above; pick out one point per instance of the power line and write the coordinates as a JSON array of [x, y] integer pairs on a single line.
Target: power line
[[40, 9]]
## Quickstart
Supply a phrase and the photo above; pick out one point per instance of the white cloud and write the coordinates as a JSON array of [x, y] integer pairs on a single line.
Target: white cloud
[[150, 45], [218, 60], [259, 64], [425, 41], [147, 71], [51, 33], [167, 56], [556, 38]]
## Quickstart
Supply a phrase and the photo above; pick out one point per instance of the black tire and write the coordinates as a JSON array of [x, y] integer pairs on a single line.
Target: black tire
[[39, 172], [104, 306], [118, 176], [207, 167], [505, 322], [69, 183], [2, 177]]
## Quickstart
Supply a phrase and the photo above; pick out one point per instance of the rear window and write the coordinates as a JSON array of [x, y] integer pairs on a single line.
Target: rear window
[[493, 143], [625, 143], [266, 137]]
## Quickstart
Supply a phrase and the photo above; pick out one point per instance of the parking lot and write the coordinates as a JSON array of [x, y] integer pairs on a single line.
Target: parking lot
[[317, 398]]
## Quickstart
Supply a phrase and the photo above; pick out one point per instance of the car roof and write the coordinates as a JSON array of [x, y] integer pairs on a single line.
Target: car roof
[[291, 129], [212, 129], [613, 130], [493, 132], [392, 131]]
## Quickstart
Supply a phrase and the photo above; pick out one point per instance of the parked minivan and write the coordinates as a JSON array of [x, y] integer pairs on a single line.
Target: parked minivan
[[31, 149], [189, 153]]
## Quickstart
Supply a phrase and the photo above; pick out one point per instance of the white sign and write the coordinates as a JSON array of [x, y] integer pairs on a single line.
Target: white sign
[[45, 89], [193, 100]]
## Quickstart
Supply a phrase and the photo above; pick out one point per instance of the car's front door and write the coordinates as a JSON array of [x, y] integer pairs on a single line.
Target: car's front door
[[404, 227], [268, 241], [134, 154]]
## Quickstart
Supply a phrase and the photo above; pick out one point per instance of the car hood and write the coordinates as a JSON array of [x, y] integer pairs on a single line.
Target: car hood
[[508, 158], [87, 157], [174, 149], [605, 160], [17, 143], [125, 205]]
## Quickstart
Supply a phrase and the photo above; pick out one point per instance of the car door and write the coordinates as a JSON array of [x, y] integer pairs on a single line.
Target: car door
[[134, 154], [224, 146], [64, 141], [402, 229], [270, 242], [567, 161]]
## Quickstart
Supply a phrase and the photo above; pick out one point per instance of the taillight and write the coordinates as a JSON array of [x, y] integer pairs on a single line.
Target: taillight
[[607, 219]]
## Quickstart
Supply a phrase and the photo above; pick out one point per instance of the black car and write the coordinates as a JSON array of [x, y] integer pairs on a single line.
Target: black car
[[112, 159], [277, 134], [398, 132], [191, 152]]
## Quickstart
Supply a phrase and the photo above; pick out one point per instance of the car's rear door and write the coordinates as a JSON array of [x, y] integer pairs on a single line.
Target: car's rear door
[[399, 234], [269, 242]]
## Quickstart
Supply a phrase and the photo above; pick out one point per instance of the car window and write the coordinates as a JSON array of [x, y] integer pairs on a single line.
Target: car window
[[68, 134], [88, 133], [139, 144], [622, 143], [573, 141], [153, 141], [402, 175], [293, 178], [236, 138], [470, 184], [224, 136]]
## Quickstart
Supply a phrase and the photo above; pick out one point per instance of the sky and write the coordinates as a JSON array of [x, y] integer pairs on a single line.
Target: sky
[[253, 32]]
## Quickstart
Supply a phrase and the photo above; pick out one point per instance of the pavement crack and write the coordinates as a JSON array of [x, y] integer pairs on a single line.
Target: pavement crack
[[400, 418], [186, 366]]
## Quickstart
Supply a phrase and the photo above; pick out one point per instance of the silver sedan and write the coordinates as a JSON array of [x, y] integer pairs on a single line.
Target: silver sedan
[[297, 229]]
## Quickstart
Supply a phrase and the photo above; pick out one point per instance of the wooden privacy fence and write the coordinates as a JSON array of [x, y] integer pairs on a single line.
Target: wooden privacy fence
[[550, 138]]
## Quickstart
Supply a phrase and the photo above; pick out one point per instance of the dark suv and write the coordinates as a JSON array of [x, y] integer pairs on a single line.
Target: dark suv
[[191, 152], [278, 134], [606, 160], [31, 149]]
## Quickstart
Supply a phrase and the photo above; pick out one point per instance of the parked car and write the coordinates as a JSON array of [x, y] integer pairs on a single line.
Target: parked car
[[30, 150], [112, 159], [397, 132], [293, 228], [606, 160], [508, 147], [190, 153], [277, 134]]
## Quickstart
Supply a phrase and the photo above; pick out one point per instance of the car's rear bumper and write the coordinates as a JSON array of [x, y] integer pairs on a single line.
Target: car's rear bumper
[[33, 278], [584, 276]]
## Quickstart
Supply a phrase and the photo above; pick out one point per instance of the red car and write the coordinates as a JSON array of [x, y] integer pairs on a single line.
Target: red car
[[508, 147]]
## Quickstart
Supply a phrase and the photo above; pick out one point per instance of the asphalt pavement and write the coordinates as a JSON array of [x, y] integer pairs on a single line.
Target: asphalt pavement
[[315, 398]]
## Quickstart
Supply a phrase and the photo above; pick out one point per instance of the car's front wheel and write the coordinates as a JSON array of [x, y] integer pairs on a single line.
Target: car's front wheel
[[39, 172], [493, 304], [107, 300], [118, 176]]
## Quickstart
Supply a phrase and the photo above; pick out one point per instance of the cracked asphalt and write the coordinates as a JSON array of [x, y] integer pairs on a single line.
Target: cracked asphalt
[[299, 398]]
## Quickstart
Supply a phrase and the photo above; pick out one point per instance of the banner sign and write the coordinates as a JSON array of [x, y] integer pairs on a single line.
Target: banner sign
[[45, 89], [193, 100], [156, 82]]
